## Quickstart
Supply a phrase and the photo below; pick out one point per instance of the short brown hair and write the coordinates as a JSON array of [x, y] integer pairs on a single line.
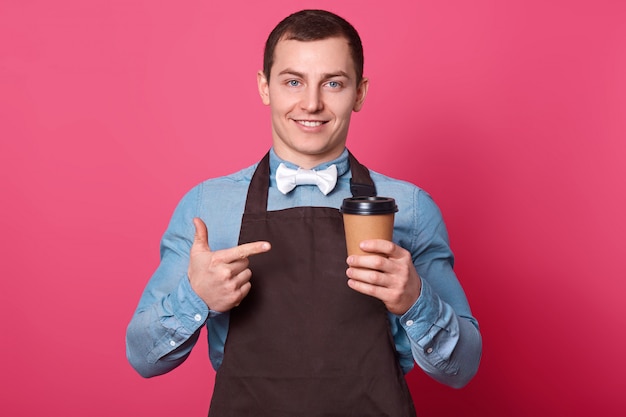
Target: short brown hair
[[313, 25]]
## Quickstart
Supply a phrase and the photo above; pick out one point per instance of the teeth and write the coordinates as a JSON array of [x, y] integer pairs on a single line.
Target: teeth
[[310, 124]]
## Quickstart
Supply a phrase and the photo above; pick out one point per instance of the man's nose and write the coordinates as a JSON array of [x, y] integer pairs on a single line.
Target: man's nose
[[312, 100]]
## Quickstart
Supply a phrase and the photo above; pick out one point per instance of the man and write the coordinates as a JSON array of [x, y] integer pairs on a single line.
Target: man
[[263, 261]]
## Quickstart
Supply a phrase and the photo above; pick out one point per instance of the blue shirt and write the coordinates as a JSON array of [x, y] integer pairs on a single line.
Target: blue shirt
[[438, 332]]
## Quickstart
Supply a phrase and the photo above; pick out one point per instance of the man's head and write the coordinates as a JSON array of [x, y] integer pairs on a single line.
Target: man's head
[[312, 83], [312, 25]]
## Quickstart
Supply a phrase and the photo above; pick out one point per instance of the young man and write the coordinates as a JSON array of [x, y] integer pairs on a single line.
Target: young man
[[261, 258]]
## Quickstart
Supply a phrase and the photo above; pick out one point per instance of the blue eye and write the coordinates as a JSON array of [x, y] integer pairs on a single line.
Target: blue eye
[[334, 84], [293, 83]]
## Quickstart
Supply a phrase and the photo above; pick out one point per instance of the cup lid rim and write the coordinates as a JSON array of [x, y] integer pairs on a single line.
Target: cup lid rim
[[369, 205]]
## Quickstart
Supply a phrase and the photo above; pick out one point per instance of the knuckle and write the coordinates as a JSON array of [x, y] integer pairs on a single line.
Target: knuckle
[[229, 287], [378, 262], [374, 277], [216, 260], [246, 274], [223, 275]]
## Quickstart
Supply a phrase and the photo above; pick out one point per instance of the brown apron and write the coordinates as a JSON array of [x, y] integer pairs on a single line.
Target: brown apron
[[302, 343]]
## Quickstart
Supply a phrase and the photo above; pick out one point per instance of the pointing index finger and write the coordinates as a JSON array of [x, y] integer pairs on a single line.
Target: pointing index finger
[[247, 249]]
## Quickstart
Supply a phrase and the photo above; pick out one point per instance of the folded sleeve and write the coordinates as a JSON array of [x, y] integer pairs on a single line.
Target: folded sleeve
[[439, 329]]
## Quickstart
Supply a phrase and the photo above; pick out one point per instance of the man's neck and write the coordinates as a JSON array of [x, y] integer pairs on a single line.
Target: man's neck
[[307, 161]]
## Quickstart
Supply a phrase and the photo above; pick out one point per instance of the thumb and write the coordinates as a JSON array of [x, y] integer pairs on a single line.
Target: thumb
[[201, 237]]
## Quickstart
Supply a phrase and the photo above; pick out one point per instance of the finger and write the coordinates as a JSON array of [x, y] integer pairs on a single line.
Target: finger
[[381, 246], [243, 292], [244, 251], [367, 288], [240, 278], [367, 276], [245, 289], [369, 263], [201, 237]]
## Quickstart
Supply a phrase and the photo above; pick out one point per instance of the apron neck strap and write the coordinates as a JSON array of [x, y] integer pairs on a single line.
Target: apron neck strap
[[361, 184]]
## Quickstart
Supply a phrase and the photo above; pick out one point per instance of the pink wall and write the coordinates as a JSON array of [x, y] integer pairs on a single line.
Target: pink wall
[[511, 113]]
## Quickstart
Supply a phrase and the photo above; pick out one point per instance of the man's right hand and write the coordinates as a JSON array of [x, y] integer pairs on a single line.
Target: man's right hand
[[220, 278]]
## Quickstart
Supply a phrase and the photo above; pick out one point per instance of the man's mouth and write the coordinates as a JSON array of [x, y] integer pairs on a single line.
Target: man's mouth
[[310, 123]]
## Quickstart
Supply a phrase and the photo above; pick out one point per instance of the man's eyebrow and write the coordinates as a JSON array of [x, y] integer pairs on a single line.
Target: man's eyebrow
[[291, 72], [324, 76], [336, 74]]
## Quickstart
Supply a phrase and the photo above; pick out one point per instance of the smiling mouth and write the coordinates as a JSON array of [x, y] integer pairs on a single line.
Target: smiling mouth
[[310, 123]]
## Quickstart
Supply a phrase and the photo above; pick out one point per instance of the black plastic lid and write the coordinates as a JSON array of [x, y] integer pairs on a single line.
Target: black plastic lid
[[369, 205]]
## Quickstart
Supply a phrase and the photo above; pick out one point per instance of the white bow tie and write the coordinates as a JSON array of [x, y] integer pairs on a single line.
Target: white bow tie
[[287, 178]]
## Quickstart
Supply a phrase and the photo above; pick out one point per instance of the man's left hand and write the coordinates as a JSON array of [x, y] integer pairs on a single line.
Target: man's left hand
[[387, 273]]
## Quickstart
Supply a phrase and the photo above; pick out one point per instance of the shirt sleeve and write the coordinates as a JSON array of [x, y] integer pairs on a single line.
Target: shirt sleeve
[[438, 332], [167, 322]]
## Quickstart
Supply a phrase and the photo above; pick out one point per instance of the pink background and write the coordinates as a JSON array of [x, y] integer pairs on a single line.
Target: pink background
[[510, 113]]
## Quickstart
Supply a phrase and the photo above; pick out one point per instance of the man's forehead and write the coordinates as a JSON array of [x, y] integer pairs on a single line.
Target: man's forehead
[[333, 52]]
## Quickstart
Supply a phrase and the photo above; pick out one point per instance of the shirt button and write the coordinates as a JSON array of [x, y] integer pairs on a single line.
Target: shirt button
[[409, 322], [197, 317], [172, 343], [429, 350]]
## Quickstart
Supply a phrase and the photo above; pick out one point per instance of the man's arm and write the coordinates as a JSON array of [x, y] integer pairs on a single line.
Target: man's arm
[[445, 345], [191, 284], [418, 286], [169, 316]]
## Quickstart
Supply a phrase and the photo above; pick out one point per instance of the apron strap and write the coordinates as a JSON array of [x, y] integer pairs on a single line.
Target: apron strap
[[259, 186], [361, 184]]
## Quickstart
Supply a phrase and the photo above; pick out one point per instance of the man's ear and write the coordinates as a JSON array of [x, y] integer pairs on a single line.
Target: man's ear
[[264, 88], [361, 93]]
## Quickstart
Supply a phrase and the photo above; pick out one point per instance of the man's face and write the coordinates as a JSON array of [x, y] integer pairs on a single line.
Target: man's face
[[312, 93]]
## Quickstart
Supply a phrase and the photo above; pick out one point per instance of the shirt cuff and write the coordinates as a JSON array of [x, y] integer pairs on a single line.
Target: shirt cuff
[[422, 316], [433, 326], [191, 311]]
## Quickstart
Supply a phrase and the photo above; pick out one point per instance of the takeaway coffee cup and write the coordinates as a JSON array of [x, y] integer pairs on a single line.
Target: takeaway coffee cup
[[367, 218]]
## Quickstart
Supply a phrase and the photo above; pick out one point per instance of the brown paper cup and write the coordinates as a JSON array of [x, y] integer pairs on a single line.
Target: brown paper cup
[[367, 218]]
